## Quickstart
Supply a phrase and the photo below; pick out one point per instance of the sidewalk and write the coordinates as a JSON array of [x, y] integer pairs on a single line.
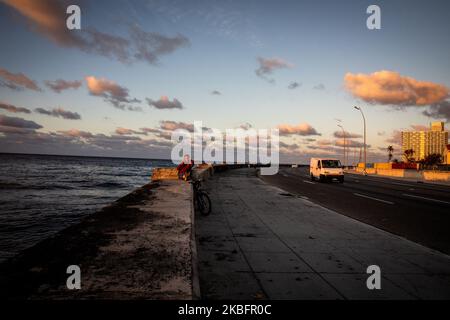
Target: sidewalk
[[260, 242]]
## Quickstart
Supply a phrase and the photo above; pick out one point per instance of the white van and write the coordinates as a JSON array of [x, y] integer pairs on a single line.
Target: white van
[[326, 169]]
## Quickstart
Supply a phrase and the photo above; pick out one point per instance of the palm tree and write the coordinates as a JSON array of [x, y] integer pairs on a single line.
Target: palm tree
[[432, 159], [408, 155], [390, 151]]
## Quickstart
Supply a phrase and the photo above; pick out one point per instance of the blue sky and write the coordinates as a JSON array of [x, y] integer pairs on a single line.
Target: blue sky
[[319, 42]]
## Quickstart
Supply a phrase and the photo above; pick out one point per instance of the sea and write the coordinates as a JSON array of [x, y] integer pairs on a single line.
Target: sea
[[43, 194]]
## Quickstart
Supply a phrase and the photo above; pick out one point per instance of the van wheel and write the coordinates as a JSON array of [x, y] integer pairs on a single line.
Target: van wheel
[[312, 178], [341, 180], [321, 178]]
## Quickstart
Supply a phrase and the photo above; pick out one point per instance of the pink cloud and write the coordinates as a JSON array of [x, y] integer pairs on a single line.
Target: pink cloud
[[303, 129], [390, 88]]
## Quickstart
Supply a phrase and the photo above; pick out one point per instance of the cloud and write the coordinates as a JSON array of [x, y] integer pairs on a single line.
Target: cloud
[[59, 113], [13, 109], [15, 131], [165, 103], [302, 129], [439, 110], [395, 138], [60, 85], [294, 85], [17, 81], [268, 66], [289, 147], [150, 130], [350, 143], [216, 93], [48, 18], [125, 131], [77, 142], [75, 133], [319, 86], [348, 135], [18, 123], [390, 88], [113, 93], [246, 126], [324, 142], [173, 125], [420, 127], [150, 45]]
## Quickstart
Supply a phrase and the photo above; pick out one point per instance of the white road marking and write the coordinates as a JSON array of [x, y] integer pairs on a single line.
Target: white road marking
[[376, 199], [310, 182], [425, 198]]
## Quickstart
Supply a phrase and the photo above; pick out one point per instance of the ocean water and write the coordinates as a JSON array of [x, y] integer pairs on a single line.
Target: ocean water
[[41, 195]]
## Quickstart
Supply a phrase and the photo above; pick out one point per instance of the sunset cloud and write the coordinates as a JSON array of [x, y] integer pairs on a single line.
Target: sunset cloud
[[302, 129], [439, 111], [13, 109], [165, 103], [348, 135], [75, 133], [16, 81], [113, 93], [48, 18], [268, 66], [174, 125], [60, 85], [420, 127], [150, 45], [59, 113], [125, 131], [18, 123], [395, 138], [390, 88], [349, 143]]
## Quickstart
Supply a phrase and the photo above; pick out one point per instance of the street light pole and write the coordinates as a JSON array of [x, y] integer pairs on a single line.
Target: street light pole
[[345, 144], [365, 146]]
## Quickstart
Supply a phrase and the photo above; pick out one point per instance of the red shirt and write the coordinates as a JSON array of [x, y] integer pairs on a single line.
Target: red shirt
[[185, 167]]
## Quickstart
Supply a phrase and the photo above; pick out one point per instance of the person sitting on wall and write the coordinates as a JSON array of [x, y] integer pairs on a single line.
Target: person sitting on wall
[[185, 167]]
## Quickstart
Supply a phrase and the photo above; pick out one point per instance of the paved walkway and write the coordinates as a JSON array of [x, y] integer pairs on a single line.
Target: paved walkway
[[260, 242]]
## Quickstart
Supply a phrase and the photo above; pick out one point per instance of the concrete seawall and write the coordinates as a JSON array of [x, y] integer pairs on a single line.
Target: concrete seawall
[[140, 247], [425, 175]]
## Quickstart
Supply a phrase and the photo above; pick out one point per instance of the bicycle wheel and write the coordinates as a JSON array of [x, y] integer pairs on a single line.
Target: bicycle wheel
[[204, 203]]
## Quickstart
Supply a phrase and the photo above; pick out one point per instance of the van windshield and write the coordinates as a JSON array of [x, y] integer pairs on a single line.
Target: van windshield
[[331, 164]]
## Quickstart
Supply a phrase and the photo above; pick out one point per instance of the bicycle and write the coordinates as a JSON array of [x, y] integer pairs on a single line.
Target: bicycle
[[201, 198]]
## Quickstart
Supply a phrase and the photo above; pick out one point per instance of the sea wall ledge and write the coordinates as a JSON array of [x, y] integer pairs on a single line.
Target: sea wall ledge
[[139, 247]]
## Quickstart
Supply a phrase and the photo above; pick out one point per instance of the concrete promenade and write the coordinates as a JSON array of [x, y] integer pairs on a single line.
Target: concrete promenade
[[260, 242], [139, 247]]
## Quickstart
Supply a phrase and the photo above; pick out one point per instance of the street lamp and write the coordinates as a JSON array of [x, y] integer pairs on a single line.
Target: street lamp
[[345, 144], [365, 146]]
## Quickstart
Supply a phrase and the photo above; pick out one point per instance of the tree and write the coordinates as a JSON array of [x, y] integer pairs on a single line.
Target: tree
[[390, 151], [432, 159], [409, 155]]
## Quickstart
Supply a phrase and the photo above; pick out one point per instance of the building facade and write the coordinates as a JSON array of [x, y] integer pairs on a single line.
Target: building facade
[[428, 142]]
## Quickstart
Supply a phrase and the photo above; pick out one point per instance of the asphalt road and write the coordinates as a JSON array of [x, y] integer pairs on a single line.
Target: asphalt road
[[418, 212]]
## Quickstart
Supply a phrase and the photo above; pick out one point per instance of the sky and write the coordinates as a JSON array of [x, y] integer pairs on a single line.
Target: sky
[[139, 69]]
